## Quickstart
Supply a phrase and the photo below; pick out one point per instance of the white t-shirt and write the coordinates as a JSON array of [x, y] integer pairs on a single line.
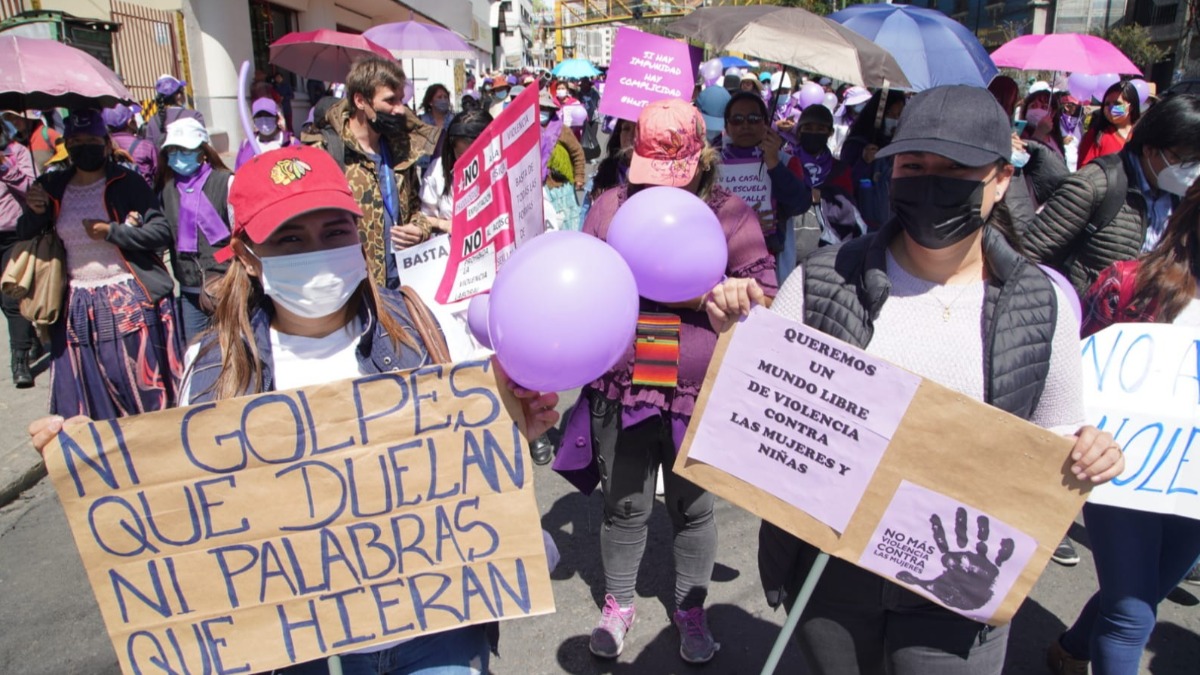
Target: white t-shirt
[[433, 201], [1190, 316]]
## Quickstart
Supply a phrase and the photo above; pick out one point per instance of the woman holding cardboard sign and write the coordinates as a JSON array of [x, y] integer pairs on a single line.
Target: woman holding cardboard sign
[[917, 294], [1140, 556], [298, 308]]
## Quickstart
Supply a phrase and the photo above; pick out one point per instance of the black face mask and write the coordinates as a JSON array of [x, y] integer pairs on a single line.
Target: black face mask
[[90, 157], [813, 143], [388, 124], [937, 211]]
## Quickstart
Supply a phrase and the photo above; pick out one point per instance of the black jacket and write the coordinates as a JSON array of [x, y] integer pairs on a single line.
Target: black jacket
[[1058, 236], [189, 268], [142, 246], [845, 288]]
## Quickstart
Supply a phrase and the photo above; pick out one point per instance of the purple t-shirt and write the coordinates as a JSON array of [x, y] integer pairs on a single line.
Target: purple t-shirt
[[748, 258]]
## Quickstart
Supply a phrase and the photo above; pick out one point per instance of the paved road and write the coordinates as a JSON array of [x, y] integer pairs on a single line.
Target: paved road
[[49, 622]]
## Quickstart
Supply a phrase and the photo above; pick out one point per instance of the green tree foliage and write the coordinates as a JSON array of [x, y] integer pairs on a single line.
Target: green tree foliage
[[1134, 42]]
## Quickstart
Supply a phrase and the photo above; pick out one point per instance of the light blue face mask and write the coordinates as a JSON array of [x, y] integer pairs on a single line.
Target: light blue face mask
[[184, 162]]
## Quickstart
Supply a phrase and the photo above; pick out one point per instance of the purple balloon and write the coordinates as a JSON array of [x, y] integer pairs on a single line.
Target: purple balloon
[[830, 101], [711, 70], [1103, 82], [477, 319], [1067, 289], [563, 311], [1081, 86], [811, 94], [1143, 89], [672, 241]]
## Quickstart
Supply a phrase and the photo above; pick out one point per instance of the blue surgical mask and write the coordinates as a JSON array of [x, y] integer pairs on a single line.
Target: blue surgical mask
[[1118, 110], [500, 94], [544, 117], [184, 162]]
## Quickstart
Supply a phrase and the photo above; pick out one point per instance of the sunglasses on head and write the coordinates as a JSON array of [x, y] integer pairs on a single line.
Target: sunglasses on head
[[738, 120]]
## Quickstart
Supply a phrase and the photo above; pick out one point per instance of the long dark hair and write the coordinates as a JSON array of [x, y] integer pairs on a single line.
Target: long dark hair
[[864, 124], [466, 124], [608, 173], [1128, 92], [1166, 276]]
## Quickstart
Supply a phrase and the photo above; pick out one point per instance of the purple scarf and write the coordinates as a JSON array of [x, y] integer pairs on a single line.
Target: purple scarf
[[730, 151], [816, 169], [550, 135], [197, 213]]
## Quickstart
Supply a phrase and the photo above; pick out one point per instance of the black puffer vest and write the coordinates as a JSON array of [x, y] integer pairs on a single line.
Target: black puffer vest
[[845, 288]]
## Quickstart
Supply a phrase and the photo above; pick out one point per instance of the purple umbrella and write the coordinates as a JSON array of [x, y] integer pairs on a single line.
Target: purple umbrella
[[40, 74], [416, 40]]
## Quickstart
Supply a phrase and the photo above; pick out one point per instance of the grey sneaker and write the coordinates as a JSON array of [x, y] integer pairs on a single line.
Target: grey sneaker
[[696, 644], [1065, 554], [608, 637], [1193, 577]]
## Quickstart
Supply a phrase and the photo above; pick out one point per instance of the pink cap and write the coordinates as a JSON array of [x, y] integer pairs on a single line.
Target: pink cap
[[667, 144]]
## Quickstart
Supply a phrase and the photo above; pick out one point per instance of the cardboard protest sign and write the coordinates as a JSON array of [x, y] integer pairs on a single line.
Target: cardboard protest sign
[[964, 506], [422, 267], [748, 179], [1141, 383], [645, 68], [497, 199], [262, 531]]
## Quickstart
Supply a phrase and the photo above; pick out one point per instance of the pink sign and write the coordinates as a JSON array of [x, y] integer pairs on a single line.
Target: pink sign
[[947, 551], [645, 68], [497, 199], [801, 415]]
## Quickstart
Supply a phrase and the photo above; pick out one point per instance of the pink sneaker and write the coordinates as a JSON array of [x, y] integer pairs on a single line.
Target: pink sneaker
[[608, 638]]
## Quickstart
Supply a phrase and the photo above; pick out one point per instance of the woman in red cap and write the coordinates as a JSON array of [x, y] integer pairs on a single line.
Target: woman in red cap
[[298, 308]]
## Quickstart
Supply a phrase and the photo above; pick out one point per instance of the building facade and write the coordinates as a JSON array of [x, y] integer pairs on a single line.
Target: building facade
[[204, 42], [512, 26]]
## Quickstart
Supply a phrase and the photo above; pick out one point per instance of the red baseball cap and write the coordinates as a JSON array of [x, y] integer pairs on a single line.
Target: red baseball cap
[[667, 144], [279, 185]]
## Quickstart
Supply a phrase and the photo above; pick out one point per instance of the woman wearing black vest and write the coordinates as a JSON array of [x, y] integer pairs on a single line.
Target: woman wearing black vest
[[917, 293], [193, 184]]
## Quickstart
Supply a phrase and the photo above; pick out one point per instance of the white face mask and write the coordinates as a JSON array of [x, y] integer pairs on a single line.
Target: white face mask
[[1034, 116], [889, 125], [314, 285], [1175, 179]]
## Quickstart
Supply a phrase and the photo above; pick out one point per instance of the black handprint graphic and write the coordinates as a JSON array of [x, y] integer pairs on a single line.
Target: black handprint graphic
[[966, 583]]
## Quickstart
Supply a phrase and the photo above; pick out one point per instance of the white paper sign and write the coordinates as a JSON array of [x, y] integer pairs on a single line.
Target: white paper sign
[[1141, 383], [422, 267]]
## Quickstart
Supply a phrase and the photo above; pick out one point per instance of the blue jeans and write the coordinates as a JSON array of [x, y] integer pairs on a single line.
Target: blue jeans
[[462, 651], [1140, 557], [195, 321]]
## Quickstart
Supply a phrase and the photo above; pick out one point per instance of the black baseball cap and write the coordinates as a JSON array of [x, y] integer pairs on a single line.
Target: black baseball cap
[[957, 121]]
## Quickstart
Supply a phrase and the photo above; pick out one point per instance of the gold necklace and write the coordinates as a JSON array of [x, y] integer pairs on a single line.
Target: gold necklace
[[946, 306]]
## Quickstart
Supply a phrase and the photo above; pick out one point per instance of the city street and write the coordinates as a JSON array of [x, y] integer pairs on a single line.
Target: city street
[[50, 624]]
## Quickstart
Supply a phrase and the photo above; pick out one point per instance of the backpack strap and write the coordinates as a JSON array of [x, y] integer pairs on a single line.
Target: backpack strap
[[427, 326], [335, 146], [133, 148], [1114, 196]]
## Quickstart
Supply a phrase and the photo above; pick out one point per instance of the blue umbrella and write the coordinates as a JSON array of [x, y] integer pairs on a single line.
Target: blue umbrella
[[734, 62], [931, 48], [575, 69]]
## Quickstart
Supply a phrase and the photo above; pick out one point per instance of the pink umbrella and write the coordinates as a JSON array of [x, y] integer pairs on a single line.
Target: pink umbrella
[[416, 40], [1068, 52], [325, 55], [40, 74]]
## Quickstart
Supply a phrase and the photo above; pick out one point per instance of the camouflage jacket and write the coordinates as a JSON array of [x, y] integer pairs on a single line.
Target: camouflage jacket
[[363, 176]]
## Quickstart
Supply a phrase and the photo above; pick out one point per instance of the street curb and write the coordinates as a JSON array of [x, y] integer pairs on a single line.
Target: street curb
[[15, 480]]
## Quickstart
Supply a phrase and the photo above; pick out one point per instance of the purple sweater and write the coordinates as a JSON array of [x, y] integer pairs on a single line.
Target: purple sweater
[[16, 175]]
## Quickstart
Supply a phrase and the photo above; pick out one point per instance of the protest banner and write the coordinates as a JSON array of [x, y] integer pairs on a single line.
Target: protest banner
[[422, 267], [645, 68], [1141, 383], [497, 199], [257, 532], [951, 498]]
